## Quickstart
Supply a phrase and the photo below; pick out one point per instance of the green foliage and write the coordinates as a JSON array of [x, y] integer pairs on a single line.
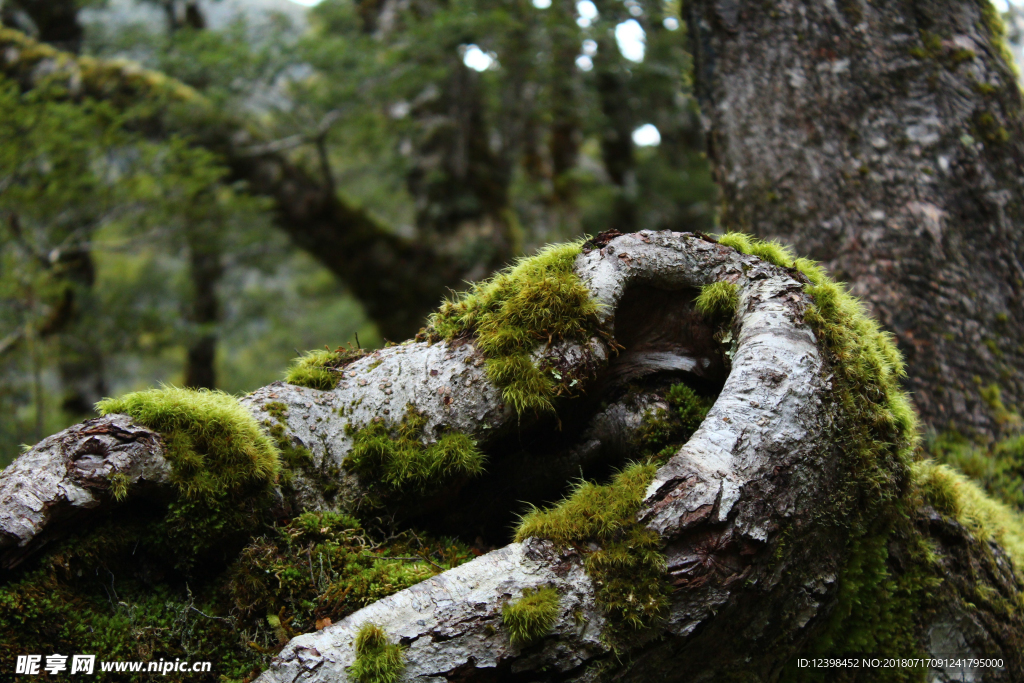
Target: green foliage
[[531, 617], [396, 458], [628, 567], [539, 299], [378, 660], [213, 443], [719, 299], [321, 368]]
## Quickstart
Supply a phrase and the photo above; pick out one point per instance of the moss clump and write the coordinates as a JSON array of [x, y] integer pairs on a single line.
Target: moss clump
[[540, 299], [328, 565], [956, 496], [771, 251], [719, 299], [321, 368], [378, 660], [663, 432], [998, 467], [214, 445], [113, 591], [396, 458], [628, 569], [531, 617]]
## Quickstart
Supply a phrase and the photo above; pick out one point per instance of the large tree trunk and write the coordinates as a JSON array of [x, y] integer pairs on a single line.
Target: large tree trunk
[[886, 140], [762, 521]]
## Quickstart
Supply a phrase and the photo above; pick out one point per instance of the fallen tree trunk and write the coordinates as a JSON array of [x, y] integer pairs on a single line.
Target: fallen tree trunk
[[793, 522]]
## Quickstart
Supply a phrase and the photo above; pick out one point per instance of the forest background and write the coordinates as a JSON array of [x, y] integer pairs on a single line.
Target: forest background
[[131, 256]]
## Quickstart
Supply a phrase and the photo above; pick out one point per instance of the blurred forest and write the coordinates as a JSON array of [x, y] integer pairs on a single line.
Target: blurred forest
[[136, 253]]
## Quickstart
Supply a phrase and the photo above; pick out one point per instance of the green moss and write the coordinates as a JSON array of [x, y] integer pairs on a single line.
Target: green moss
[[998, 467], [993, 24], [772, 251], [538, 300], [293, 456], [214, 445], [719, 299], [322, 368], [531, 617], [327, 565], [988, 128], [663, 432], [378, 660], [105, 592], [118, 486], [395, 457], [628, 567]]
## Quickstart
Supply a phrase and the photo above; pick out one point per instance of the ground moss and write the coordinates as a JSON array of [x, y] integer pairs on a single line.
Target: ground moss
[[110, 592], [719, 299], [214, 445], [395, 459], [628, 568], [531, 617], [378, 660], [326, 565], [321, 368], [538, 300]]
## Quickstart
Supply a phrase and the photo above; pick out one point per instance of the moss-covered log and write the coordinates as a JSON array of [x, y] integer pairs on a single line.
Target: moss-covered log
[[796, 521], [886, 140]]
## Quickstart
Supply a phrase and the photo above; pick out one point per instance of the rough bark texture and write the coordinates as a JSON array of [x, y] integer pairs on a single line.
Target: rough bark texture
[[745, 510], [886, 140], [398, 280]]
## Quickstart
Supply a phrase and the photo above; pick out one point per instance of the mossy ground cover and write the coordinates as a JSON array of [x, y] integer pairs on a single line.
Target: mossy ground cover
[[539, 300], [326, 565]]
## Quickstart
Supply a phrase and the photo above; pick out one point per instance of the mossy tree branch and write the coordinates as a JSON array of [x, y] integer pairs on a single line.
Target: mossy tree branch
[[795, 510]]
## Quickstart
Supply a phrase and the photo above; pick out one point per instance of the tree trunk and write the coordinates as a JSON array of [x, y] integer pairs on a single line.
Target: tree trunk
[[748, 547], [886, 140]]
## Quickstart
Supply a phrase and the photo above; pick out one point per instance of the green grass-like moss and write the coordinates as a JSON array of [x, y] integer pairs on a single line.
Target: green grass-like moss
[[396, 458], [214, 445], [538, 300], [628, 568], [378, 660], [998, 467], [718, 299], [327, 564], [531, 617], [321, 368], [956, 496]]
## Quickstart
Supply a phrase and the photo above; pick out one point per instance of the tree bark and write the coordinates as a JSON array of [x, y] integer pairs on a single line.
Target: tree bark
[[745, 511], [884, 139]]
